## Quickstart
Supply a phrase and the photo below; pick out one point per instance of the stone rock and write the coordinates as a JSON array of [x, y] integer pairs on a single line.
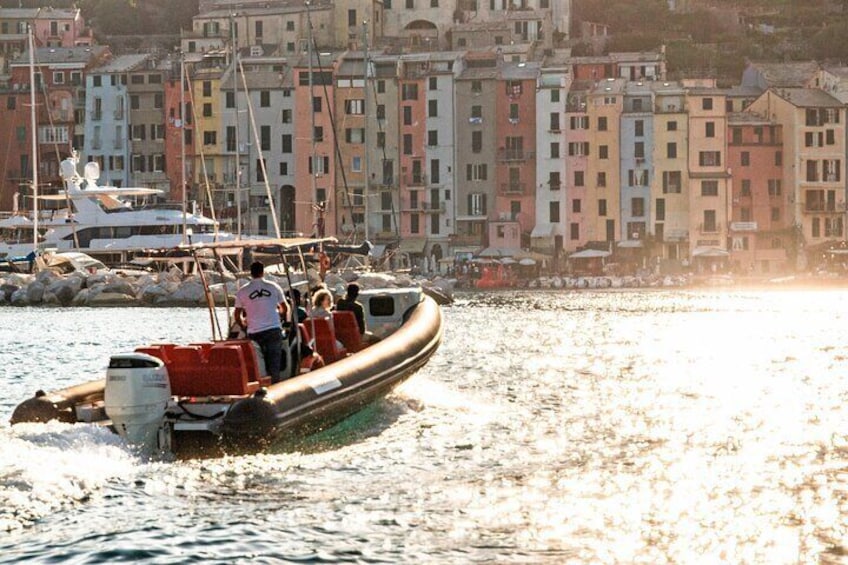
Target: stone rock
[[81, 298], [111, 299], [376, 280], [98, 278], [189, 291], [119, 286], [6, 291], [47, 277], [151, 294], [19, 279], [19, 297], [35, 291]]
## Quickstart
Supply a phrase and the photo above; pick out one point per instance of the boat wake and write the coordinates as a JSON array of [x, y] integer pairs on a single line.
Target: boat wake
[[45, 468]]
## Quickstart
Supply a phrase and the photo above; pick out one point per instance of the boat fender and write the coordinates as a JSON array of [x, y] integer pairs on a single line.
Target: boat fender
[[251, 417]]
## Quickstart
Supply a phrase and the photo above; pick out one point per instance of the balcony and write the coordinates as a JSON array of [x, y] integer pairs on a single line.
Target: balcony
[[709, 228], [818, 206], [513, 188], [96, 115], [413, 179], [509, 155]]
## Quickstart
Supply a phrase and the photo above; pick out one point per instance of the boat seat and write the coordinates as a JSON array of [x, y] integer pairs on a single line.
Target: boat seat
[[166, 348], [251, 361], [155, 351], [325, 341], [204, 348], [347, 330], [186, 371], [226, 372]]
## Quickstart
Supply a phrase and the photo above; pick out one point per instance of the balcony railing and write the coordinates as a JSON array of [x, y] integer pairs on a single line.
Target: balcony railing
[[709, 228], [415, 179], [513, 187], [515, 155]]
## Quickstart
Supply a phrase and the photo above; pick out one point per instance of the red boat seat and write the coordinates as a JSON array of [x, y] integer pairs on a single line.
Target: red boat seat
[[325, 341], [347, 330], [251, 361], [226, 372], [186, 371], [154, 350], [204, 348]]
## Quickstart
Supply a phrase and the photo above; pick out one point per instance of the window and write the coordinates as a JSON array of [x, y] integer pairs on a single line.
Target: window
[[409, 92], [745, 190], [639, 150], [553, 212], [476, 172], [709, 188], [265, 138], [410, 4], [778, 158], [574, 230], [709, 158], [287, 116], [579, 122], [477, 112], [381, 87], [709, 129], [554, 150], [706, 103], [602, 124], [710, 224], [477, 204], [356, 164], [555, 121], [207, 110], [638, 177], [476, 87], [578, 148], [407, 144], [660, 210], [602, 180], [322, 165], [207, 88], [432, 108], [579, 178], [135, 103], [138, 133], [355, 135], [210, 137], [355, 107], [602, 207], [407, 115], [830, 137], [432, 137], [555, 95], [746, 158], [513, 112], [639, 128], [11, 103], [97, 80], [603, 151], [264, 99], [381, 139], [775, 214], [554, 180], [381, 111], [672, 182], [671, 150], [745, 214], [736, 136], [671, 126], [435, 172], [318, 133], [774, 187], [637, 207], [158, 100], [351, 18]]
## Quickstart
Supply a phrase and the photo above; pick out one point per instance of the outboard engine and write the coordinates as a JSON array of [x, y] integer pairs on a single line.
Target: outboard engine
[[136, 397]]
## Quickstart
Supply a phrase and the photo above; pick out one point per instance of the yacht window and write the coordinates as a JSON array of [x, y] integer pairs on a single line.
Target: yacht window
[[381, 306]]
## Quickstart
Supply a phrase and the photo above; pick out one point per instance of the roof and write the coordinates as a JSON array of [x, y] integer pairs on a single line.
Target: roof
[[636, 56], [259, 79], [123, 63], [610, 86], [55, 55], [839, 71], [787, 74], [18, 13], [280, 7], [520, 71], [808, 97], [740, 91], [58, 13]]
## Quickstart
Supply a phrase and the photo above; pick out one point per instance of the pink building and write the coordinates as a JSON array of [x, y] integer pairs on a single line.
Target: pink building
[[412, 134], [576, 167], [515, 170], [61, 27], [760, 214], [315, 209]]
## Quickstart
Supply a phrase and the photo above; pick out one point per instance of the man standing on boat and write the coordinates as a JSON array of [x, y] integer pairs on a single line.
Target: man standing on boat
[[258, 307]]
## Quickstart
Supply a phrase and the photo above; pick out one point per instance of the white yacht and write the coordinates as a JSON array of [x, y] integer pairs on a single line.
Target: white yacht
[[102, 220]]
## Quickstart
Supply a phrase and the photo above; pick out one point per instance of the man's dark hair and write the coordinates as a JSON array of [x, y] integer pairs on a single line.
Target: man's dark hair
[[352, 291], [257, 269]]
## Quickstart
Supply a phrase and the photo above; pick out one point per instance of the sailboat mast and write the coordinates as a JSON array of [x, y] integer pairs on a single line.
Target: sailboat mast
[[33, 126], [182, 143], [315, 204], [366, 194], [237, 171]]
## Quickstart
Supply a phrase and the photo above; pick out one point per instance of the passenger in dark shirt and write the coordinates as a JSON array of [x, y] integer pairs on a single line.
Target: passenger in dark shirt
[[349, 303]]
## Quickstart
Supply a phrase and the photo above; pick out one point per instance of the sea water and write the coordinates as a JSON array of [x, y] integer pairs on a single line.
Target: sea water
[[572, 427]]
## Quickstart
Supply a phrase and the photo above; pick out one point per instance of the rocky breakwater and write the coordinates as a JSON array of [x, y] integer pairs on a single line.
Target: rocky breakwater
[[601, 282], [171, 288]]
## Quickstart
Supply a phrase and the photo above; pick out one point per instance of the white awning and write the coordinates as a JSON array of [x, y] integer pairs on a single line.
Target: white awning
[[589, 254], [542, 230], [412, 245], [709, 252]]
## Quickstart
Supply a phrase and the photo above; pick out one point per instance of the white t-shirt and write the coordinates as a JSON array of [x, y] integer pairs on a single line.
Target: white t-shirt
[[259, 299]]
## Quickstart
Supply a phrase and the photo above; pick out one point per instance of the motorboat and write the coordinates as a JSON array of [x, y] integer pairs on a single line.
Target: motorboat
[[213, 397], [104, 220]]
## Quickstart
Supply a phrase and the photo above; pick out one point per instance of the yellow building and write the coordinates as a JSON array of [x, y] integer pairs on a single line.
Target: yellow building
[[709, 201], [670, 177], [605, 103]]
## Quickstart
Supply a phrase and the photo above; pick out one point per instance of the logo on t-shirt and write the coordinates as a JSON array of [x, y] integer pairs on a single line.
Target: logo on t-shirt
[[261, 293]]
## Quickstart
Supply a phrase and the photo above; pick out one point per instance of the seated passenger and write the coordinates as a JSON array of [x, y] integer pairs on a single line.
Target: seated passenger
[[349, 304], [322, 304]]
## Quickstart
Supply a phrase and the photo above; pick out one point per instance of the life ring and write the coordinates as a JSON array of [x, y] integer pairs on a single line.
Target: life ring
[[324, 262]]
